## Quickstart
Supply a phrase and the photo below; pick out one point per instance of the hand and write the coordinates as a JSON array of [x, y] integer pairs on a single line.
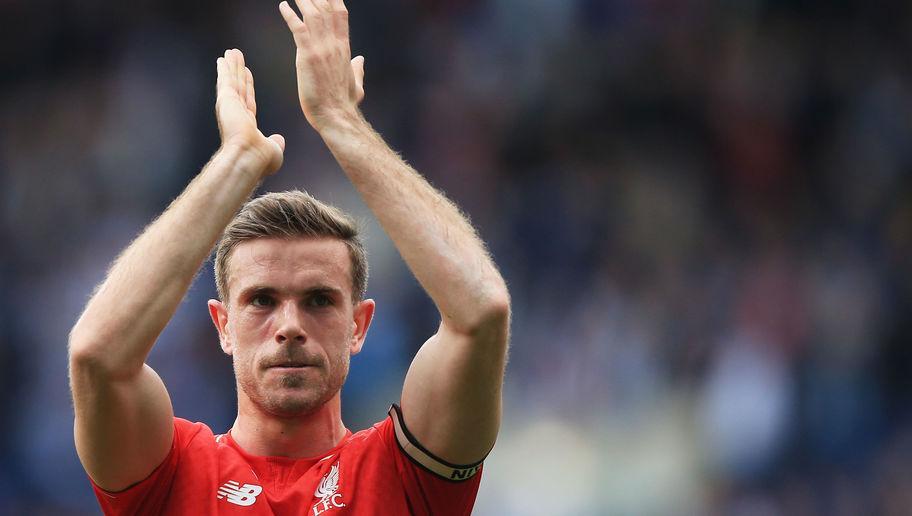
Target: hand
[[235, 110], [330, 83]]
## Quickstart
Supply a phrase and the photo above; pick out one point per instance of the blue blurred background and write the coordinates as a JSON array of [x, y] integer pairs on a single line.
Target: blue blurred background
[[703, 209]]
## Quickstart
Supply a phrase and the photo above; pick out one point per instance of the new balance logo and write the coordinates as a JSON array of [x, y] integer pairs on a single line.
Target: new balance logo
[[237, 494]]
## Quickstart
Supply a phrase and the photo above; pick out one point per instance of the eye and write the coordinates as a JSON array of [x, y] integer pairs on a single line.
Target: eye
[[321, 300], [261, 300]]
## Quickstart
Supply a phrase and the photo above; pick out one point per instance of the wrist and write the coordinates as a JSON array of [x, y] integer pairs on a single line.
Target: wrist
[[245, 157], [338, 120], [345, 134]]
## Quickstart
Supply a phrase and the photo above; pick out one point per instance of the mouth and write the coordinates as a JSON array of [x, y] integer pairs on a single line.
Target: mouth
[[291, 366]]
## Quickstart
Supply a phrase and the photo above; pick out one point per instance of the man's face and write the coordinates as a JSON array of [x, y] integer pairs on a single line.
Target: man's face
[[290, 325]]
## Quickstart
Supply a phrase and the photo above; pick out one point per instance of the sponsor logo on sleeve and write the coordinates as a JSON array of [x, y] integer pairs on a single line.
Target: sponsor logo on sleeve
[[464, 473]]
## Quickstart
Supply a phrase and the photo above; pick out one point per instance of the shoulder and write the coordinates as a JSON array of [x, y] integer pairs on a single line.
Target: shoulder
[[420, 456], [187, 432], [195, 441], [391, 457], [393, 439], [151, 494]]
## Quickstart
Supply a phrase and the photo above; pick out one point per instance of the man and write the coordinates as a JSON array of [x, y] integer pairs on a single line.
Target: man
[[291, 279]]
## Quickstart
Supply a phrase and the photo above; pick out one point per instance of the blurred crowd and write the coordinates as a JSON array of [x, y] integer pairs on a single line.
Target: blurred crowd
[[703, 210]]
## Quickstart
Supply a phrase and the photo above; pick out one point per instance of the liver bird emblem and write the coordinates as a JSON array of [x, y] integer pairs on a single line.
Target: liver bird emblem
[[330, 483]]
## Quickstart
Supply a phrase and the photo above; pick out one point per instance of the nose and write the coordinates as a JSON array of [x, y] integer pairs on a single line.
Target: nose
[[289, 324]]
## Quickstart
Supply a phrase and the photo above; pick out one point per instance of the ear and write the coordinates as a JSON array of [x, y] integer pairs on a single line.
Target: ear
[[219, 313], [363, 315]]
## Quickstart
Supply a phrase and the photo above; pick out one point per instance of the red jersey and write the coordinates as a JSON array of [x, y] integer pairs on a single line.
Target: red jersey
[[382, 470]]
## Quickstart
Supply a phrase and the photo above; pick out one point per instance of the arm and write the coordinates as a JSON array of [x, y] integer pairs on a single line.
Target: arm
[[124, 419], [451, 399]]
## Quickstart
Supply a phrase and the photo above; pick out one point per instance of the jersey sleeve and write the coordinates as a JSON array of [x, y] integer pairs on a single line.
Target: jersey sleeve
[[433, 486], [148, 496]]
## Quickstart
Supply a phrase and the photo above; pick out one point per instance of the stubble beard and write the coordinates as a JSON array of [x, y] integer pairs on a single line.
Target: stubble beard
[[295, 394]]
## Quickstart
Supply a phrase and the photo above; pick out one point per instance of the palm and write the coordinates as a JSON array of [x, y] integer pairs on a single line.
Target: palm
[[235, 118], [328, 80], [235, 109]]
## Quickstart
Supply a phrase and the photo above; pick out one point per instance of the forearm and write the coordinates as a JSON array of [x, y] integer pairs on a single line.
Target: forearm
[[148, 280], [435, 239]]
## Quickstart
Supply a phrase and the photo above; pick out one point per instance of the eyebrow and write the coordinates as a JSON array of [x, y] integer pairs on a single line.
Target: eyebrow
[[262, 289]]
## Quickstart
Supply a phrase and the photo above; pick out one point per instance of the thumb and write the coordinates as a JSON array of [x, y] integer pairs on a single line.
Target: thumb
[[357, 64], [278, 140]]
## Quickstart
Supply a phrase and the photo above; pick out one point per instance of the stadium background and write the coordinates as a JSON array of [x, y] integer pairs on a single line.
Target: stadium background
[[703, 209]]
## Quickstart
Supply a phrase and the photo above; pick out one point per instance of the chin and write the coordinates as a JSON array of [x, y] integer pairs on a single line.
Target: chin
[[298, 402], [288, 396], [291, 408]]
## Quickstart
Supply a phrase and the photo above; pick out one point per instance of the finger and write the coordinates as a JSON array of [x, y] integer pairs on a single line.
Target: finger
[[231, 60], [311, 17], [229, 75], [251, 93], [358, 69], [291, 18], [340, 18], [279, 140], [326, 15], [337, 5], [220, 73], [240, 74]]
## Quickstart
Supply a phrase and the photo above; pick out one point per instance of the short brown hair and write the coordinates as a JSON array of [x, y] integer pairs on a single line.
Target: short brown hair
[[291, 214]]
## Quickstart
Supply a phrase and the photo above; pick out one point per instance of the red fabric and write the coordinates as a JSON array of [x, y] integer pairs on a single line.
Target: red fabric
[[373, 477]]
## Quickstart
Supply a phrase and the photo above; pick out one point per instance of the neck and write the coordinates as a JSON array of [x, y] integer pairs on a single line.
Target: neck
[[259, 433]]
